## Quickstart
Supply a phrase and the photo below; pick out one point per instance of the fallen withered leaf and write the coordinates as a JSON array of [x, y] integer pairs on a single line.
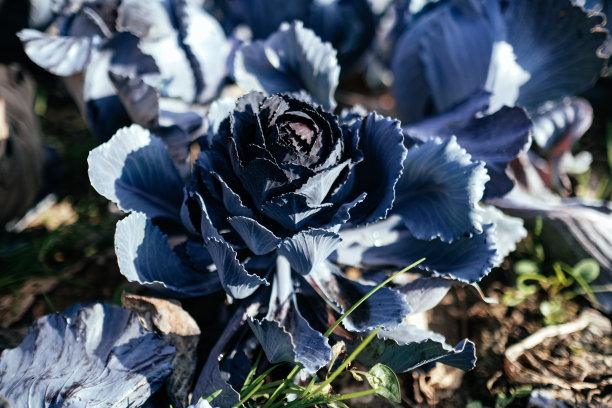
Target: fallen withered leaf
[[176, 327]]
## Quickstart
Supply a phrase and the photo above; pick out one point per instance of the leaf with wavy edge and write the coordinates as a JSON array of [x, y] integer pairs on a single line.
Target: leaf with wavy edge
[[257, 238], [408, 347], [135, 171], [382, 143], [388, 244], [308, 249], [144, 256], [495, 139], [62, 56], [292, 59], [438, 192], [235, 279]]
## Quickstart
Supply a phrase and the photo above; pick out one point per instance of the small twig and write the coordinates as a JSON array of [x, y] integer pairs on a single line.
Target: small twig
[[516, 350]]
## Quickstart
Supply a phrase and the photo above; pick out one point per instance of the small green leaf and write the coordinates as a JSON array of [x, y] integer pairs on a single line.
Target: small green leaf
[[339, 404], [474, 404], [384, 381], [587, 269], [213, 396], [526, 267], [356, 376]]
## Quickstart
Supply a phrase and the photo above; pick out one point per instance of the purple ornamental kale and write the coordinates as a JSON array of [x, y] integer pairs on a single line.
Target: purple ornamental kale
[[281, 195]]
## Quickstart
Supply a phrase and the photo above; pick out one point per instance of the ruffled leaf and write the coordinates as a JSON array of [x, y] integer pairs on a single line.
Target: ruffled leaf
[[144, 256], [508, 231], [408, 347], [317, 188], [135, 171], [382, 143], [235, 279], [308, 249], [291, 210], [62, 56], [98, 355], [291, 59], [439, 191], [495, 139]]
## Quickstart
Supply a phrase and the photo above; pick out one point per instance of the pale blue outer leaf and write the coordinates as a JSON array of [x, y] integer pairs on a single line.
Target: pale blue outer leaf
[[122, 55], [291, 59], [98, 356], [308, 249], [135, 171], [206, 47], [495, 139], [257, 238], [438, 193], [454, 47], [386, 307], [389, 244], [382, 142], [144, 256], [561, 61], [235, 279], [424, 293], [62, 56], [431, 64], [408, 347]]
